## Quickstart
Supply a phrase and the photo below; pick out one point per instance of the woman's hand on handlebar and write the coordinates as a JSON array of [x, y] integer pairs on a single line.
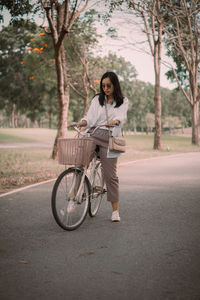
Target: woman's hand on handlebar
[[82, 124], [72, 125], [113, 123], [78, 125]]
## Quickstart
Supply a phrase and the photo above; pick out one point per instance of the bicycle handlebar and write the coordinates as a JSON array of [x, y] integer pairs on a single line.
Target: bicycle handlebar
[[83, 133]]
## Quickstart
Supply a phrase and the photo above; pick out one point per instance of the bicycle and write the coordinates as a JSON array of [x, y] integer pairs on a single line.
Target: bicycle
[[78, 190]]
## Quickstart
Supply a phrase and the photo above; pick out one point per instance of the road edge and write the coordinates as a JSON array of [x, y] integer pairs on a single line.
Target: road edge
[[119, 165]]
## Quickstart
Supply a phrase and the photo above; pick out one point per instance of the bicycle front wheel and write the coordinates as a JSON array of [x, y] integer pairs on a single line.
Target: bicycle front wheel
[[97, 191], [68, 210]]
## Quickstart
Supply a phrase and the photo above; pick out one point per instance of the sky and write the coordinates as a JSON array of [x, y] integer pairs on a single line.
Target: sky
[[129, 44], [132, 45]]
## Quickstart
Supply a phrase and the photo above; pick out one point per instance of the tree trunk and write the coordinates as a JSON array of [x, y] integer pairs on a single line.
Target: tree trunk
[[50, 114], [158, 126], [157, 97], [28, 122], [86, 100], [195, 123], [13, 116], [62, 121], [61, 17], [50, 119], [195, 104], [63, 98]]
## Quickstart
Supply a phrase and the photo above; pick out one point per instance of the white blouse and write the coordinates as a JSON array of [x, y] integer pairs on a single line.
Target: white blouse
[[96, 115]]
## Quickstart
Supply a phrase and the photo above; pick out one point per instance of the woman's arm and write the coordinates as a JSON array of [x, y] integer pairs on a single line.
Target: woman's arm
[[88, 120], [121, 113], [113, 122], [83, 123]]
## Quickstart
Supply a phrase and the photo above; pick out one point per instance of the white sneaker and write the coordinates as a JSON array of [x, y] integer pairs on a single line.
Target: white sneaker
[[115, 216], [71, 206]]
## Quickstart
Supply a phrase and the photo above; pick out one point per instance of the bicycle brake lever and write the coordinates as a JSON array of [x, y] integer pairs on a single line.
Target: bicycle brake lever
[[73, 124]]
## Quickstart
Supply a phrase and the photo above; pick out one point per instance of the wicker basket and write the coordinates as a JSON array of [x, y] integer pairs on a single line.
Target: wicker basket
[[75, 151]]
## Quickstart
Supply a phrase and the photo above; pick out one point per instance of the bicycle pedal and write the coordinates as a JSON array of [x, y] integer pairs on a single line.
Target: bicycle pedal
[[98, 189]]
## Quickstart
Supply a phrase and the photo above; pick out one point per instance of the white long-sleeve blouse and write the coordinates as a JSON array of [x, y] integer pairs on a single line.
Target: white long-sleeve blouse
[[96, 115]]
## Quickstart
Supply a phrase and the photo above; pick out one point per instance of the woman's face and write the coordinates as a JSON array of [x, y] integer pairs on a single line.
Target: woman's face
[[108, 87]]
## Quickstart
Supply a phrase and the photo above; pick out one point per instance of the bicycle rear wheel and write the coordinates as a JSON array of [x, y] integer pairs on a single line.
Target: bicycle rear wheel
[[97, 191], [69, 212]]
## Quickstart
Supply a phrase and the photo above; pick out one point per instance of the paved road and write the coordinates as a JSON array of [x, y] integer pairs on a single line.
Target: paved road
[[152, 254]]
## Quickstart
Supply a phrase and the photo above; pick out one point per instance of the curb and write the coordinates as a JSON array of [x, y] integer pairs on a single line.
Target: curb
[[26, 187]]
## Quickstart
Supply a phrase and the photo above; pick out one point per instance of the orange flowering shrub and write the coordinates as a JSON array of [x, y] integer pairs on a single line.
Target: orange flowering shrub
[[31, 77], [41, 33], [38, 50], [33, 39]]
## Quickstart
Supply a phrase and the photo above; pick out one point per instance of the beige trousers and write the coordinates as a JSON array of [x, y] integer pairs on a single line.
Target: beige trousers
[[109, 165]]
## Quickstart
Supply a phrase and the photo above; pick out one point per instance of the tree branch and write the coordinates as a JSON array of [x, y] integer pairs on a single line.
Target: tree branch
[[52, 25], [77, 91], [181, 88], [147, 32], [85, 65]]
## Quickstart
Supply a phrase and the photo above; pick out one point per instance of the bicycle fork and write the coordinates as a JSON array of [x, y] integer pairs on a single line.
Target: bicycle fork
[[96, 190], [78, 196]]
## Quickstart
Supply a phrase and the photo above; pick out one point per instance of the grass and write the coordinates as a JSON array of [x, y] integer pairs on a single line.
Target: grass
[[8, 138], [26, 135], [141, 146], [20, 167], [170, 143], [23, 166]]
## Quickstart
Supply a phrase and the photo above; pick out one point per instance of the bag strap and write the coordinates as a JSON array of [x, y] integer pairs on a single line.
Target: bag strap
[[107, 119], [106, 110], [107, 116]]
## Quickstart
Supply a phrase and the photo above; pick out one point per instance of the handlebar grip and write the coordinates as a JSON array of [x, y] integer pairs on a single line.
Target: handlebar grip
[[73, 124]]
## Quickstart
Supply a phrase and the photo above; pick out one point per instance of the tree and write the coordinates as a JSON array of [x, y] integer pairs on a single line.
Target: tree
[[38, 62], [61, 17], [182, 31], [174, 105], [150, 11], [25, 60], [82, 40], [17, 9], [13, 41]]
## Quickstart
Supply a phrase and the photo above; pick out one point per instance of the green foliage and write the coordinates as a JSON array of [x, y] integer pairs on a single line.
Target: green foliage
[[188, 25], [27, 66], [13, 41], [39, 67], [25, 61], [141, 97], [174, 104], [18, 9]]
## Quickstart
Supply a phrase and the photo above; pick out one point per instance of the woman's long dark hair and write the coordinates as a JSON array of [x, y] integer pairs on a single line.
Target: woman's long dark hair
[[118, 96]]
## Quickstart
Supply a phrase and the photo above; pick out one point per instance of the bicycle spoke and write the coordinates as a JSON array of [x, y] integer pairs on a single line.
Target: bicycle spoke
[[97, 192], [69, 211]]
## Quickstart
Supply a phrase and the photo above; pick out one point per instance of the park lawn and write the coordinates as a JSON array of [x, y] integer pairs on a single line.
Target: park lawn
[[22, 166], [39, 135], [15, 135]]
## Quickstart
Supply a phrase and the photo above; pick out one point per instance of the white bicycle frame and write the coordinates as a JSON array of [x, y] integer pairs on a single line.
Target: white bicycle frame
[[78, 197]]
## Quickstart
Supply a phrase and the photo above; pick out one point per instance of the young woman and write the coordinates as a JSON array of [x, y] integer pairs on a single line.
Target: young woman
[[117, 106]]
